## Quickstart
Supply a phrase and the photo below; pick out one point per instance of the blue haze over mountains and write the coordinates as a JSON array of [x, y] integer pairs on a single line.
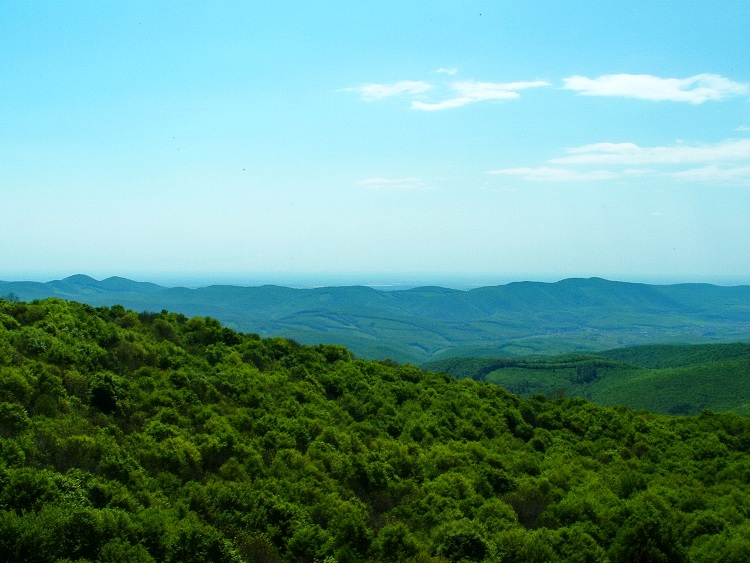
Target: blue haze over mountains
[[429, 323]]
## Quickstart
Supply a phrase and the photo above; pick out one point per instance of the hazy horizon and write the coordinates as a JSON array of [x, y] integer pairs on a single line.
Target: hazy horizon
[[477, 139], [382, 281]]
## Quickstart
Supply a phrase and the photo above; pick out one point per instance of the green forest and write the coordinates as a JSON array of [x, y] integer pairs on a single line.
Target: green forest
[[674, 379], [139, 437]]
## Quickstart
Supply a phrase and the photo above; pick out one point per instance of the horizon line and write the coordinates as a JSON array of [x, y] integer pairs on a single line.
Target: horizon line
[[386, 282]]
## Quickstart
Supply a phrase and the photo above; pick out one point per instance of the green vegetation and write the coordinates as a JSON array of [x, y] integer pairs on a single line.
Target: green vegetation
[[671, 356], [664, 378], [157, 437], [432, 323]]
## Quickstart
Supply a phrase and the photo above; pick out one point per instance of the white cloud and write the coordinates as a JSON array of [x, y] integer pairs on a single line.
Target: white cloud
[[723, 163], [437, 106], [371, 92], [694, 89], [632, 154], [465, 91], [393, 184], [637, 172], [545, 174], [470, 91], [743, 128], [715, 173], [493, 90]]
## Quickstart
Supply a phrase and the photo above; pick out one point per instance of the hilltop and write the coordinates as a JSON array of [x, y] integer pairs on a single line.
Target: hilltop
[[431, 323]]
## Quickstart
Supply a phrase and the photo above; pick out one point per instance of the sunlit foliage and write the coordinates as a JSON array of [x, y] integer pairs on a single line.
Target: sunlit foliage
[[157, 437]]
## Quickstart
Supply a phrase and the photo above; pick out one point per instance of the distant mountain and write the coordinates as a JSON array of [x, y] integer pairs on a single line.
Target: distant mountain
[[430, 323]]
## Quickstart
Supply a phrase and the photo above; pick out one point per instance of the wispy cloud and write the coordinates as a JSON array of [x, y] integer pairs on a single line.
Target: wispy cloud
[[371, 92], [743, 128], [694, 89], [715, 173], [470, 91], [547, 174], [630, 153], [455, 94], [393, 184], [722, 163], [439, 106]]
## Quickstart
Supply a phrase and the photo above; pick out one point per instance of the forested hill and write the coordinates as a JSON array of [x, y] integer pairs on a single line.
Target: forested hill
[[666, 378], [431, 323], [157, 437]]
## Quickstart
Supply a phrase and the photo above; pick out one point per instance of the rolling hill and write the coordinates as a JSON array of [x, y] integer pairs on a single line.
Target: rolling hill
[[430, 323], [667, 379]]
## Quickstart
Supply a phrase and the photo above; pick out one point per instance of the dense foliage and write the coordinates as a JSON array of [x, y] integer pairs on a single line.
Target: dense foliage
[[156, 437], [675, 379]]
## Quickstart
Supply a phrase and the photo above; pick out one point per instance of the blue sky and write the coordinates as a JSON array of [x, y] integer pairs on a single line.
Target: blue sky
[[375, 142]]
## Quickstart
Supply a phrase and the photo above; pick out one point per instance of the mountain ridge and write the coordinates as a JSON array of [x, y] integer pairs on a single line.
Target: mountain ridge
[[429, 323]]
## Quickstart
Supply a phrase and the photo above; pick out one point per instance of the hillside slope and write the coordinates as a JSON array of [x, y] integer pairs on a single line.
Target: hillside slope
[[157, 437], [666, 378], [429, 323]]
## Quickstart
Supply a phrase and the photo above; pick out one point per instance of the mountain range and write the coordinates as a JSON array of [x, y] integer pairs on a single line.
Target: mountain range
[[520, 319]]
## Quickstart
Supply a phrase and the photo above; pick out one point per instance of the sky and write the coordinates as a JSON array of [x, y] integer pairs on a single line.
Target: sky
[[381, 142]]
